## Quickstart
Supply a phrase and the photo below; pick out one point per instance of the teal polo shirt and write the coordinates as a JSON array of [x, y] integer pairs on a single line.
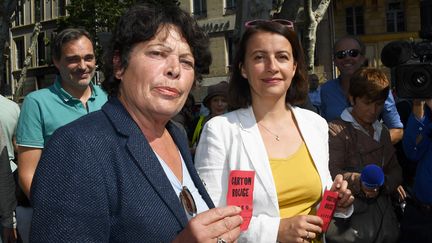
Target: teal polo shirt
[[45, 110]]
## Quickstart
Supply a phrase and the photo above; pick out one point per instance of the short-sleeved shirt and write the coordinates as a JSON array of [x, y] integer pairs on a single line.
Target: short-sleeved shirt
[[334, 102], [9, 118], [45, 110]]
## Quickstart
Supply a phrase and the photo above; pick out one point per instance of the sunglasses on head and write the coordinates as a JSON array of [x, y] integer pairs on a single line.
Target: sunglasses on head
[[188, 201], [284, 22], [344, 53]]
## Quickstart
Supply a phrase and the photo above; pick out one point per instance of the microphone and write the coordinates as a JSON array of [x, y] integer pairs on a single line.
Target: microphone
[[372, 176]]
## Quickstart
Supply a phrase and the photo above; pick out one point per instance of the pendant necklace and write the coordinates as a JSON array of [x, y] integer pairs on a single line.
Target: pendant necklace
[[268, 130]]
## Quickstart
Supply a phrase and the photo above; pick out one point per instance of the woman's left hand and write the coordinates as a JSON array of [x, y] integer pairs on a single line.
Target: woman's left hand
[[340, 186]]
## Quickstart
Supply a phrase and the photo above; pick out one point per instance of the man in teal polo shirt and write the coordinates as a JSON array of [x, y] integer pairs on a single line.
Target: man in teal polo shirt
[[71, 96]]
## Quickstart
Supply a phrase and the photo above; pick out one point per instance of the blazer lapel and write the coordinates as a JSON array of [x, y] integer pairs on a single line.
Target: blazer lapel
[[313, 143], [255, 149], [182, 145], [145, 158]]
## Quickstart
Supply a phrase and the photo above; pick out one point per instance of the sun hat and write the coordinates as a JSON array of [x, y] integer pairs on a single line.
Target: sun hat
[[220, 89]]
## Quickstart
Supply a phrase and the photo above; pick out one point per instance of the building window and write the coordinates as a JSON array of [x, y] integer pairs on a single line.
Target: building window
[[38, 10], [200, 8], [41, 56], [229, 42], [20, 52], [230, 5], [61, 8], [395, 16], [354, 20], [19, 13]]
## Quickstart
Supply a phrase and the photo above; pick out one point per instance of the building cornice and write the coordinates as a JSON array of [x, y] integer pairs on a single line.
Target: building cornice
[[216, 25]]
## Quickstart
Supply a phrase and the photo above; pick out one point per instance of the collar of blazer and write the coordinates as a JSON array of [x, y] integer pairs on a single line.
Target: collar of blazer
[[147, 161]]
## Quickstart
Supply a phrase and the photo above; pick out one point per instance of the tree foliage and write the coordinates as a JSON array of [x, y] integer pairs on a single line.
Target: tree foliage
[[100, 17], [7, 8]]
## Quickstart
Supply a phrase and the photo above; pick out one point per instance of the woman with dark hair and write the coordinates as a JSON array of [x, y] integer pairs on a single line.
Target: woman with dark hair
[[125, 174], [286, 146]]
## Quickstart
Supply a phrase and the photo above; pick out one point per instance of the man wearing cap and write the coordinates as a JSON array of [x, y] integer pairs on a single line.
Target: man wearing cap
[[349, 57], [216, 102]]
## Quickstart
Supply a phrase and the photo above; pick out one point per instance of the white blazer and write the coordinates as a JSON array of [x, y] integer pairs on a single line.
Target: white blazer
[[233, 142]]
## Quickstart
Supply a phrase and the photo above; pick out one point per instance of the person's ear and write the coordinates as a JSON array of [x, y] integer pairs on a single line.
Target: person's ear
[[117, 69], [56, 62], [243, 71]]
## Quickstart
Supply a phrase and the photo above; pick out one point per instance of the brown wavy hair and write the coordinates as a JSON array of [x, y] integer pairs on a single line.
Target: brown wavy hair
[[239, 94]]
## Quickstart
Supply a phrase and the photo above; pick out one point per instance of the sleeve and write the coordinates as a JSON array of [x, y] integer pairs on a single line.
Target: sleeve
[[30, 124], [392, 168], [212, 162], [7, 187], [323, 106], [68, 192], [329, 175], [414, 129], [337, 150], [390, 114], [338, 155]]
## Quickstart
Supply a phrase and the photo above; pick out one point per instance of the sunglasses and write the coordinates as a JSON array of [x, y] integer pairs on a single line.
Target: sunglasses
[[188, 201], [284, 22], [344, 53]]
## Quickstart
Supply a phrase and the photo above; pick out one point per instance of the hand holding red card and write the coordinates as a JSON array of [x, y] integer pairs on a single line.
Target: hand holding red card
[[327, 208], [240, 193]]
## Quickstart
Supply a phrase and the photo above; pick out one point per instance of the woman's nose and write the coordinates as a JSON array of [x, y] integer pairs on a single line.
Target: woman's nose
[[173, 69]]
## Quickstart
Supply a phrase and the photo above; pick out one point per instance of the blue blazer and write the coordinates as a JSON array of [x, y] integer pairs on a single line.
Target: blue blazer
[[98, 180]]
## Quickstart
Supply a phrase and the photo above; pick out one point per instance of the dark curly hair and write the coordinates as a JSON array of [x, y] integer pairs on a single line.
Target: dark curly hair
[[239, 94], [141, 23]]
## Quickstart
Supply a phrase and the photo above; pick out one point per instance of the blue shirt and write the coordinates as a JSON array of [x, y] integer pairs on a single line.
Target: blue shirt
[[315, 97], [334, 102], [422, 153], [45, 110]]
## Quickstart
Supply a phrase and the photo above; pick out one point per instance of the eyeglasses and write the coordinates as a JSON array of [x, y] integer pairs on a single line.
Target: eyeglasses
[[344, 53], [188, 201], [284, 22]]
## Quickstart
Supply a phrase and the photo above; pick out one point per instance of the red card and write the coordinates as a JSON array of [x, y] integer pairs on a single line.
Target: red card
[[240, 193], [327, 207]]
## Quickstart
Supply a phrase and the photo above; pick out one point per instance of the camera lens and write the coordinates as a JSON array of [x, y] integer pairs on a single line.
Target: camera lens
[[414, 80], [418, 79]]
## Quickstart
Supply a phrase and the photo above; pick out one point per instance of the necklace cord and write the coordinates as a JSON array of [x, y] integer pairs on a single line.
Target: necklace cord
[[268, 130]]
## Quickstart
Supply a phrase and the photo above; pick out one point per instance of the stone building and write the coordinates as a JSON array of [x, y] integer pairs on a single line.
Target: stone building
[[40, 72], [376, 22]]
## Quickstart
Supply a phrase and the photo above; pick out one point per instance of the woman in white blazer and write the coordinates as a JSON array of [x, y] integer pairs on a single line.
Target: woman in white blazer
[[286, 146]]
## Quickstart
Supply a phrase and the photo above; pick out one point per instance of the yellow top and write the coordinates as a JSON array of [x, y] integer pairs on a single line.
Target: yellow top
[[298, 184]]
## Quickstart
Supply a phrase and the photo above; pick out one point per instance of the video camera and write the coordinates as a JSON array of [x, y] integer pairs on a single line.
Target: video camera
[[412, 62]]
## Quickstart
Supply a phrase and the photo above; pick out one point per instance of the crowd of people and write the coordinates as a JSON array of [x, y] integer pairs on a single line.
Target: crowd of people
[[132, 161]]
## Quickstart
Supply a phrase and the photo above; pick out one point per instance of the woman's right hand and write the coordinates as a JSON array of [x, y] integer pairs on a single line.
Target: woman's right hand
[[300, 228], [209, 226]]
